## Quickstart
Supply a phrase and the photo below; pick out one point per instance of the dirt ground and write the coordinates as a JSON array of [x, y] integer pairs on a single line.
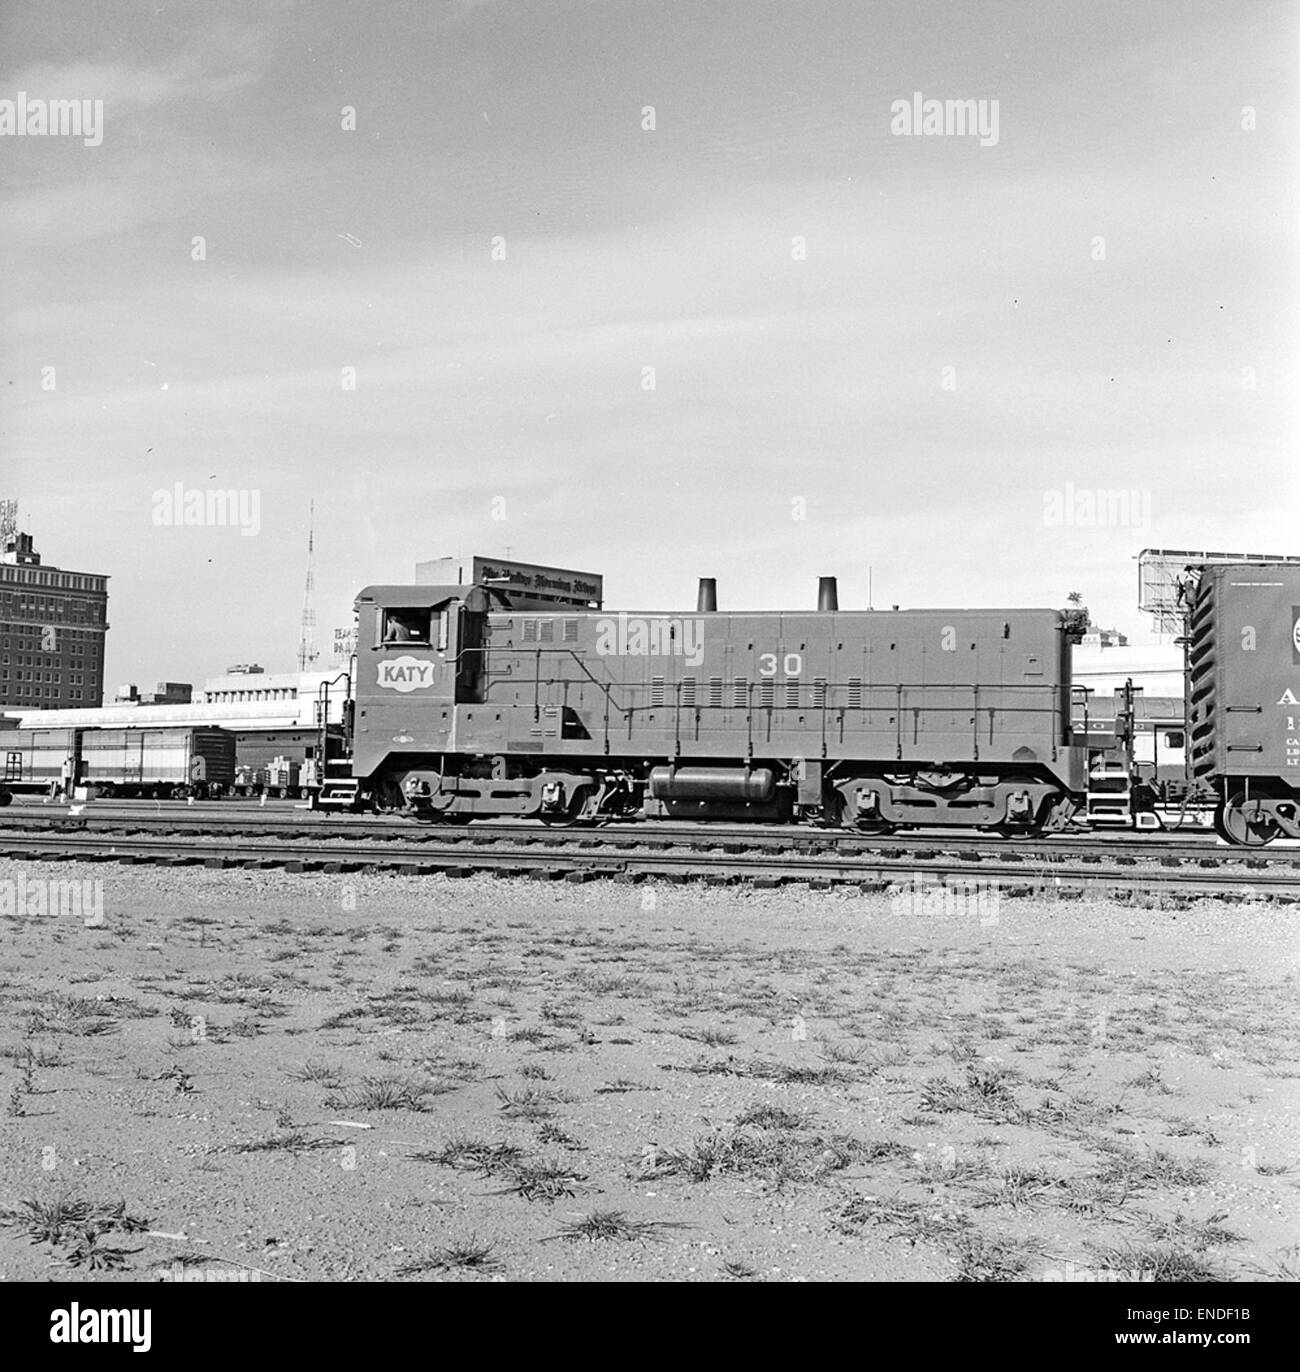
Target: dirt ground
[[261, 1076]]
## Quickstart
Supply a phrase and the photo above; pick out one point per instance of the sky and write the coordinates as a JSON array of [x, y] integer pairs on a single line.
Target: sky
[[656, 290]]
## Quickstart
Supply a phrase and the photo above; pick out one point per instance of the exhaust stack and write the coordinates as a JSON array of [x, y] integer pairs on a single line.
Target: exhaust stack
[[828, 593], [707, 600]]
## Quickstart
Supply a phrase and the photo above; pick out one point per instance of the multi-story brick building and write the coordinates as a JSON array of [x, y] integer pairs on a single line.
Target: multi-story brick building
[[52, 628]]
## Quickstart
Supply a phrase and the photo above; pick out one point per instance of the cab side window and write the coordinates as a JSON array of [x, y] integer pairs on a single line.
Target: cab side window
[[407, 626]]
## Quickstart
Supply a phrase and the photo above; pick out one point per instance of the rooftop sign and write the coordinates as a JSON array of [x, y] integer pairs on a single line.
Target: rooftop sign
[[582, 590]]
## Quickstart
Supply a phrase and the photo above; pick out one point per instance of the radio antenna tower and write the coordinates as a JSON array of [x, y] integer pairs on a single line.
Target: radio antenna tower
[[8, 521], [307, 653]]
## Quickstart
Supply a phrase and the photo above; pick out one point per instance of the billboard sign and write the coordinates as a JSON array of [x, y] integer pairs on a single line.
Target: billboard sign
[[581, 590]]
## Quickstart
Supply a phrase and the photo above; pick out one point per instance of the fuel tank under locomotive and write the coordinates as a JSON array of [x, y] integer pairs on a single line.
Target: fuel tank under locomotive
[[716, 792]]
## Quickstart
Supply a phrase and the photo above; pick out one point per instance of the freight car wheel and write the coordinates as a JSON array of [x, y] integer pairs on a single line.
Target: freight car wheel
[[1237, 821]]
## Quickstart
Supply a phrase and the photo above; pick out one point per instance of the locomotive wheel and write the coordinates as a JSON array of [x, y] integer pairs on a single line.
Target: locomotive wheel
[[832, 814], [842, 814], [1018, 830], [1235, 823], [430, 816], [566, 819], [569, 817]]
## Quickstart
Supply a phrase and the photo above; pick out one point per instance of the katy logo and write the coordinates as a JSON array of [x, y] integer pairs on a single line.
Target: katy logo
[[1295, 634], [405, 674]]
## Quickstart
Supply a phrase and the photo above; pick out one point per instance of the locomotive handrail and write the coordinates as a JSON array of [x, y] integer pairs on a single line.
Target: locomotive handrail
[[603, 686], [904, 700]]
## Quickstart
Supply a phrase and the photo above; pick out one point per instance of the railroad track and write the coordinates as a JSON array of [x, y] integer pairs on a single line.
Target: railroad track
[[289, 825], [968, 877]]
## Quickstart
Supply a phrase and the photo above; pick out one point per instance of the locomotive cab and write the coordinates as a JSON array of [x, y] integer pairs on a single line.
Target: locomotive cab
[[410, 674]]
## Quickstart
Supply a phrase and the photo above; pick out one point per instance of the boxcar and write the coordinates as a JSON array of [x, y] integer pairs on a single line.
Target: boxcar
[[33, 759], [1244, 697], [158, 762]]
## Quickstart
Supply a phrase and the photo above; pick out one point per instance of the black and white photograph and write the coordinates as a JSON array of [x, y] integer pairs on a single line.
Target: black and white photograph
[[649, 641]]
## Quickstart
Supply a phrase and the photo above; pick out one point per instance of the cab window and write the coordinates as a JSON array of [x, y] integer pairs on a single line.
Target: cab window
[[407, 626]]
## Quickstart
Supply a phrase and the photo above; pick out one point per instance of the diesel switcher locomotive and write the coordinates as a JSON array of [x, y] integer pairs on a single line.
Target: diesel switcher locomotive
[[490, 698]]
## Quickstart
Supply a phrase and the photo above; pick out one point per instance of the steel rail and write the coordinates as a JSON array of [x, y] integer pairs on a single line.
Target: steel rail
[[1087, 848], [583, 864]]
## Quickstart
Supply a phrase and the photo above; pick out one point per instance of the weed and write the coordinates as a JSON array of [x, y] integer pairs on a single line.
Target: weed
[[528, 1103], [318, 1074], [387, 1093], [713, 1038], [1022, 1187], [550, 1132], [48, 1221], [621, 1086], [1133, 1173], [908, 1219], [613, 1224], [290, 1141], [772, 1117], [184, 1083], [776, 1158], [561, 1017], [87, 1251], [985, 1258], [466, 1255], [473, 1155], [542, 1181], [790, 1074], [1159, 1263], [1195, 1234]]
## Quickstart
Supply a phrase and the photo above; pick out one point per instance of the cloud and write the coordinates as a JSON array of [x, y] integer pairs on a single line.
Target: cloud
[[72, 213], [123, 88]]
